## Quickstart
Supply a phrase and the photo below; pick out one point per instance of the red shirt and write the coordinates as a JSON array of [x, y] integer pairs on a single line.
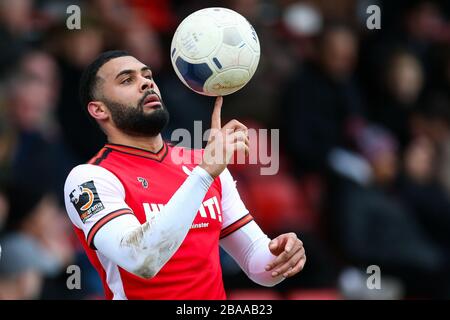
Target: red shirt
[[125, 180]]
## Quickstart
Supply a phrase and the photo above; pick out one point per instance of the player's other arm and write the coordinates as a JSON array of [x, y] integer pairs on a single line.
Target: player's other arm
[[266, 262]]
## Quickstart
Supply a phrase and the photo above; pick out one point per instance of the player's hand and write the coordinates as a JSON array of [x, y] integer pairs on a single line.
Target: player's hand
[[223, 142], [290, 255]]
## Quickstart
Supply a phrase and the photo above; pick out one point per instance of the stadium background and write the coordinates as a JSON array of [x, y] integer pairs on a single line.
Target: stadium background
[[364, 119]]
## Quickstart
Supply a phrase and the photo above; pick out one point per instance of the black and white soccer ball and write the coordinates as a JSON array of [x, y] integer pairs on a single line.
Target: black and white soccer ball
[[215, 51]]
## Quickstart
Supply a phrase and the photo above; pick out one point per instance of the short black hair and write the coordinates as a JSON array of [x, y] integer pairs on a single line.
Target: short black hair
[[88, 81]]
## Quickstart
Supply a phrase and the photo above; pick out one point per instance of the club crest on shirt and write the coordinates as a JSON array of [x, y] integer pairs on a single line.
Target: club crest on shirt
[[86, 201], [143, 182]]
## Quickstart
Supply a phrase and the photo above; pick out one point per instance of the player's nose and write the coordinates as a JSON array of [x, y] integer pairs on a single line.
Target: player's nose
[[147, 84]]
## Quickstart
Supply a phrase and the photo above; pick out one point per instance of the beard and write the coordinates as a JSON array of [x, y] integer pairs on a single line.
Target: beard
[[133, 121]]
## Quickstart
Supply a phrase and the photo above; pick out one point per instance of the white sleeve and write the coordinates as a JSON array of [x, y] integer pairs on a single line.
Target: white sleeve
[[249, 247], [233, 209], [242, 238], [143, 249], [93, 196]]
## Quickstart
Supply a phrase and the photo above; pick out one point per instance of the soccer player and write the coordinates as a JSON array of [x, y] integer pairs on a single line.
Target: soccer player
[[150, 225]]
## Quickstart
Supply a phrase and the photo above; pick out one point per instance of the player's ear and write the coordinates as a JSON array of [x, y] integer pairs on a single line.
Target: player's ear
[[97, 110]]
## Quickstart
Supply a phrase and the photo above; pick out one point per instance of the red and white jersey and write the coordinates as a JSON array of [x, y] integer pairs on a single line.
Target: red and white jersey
[[125, 180]]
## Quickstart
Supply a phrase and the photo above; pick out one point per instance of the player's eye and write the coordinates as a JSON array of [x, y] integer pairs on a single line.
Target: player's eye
[[149, 77], [127, 80]]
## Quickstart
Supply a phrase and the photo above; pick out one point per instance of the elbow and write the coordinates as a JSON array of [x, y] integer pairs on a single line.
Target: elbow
[[265, 279], [144, 268], [145, 271], [266, 282]]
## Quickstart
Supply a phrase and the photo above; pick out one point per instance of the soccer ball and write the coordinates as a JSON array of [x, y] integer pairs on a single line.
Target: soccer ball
[[215, 51]]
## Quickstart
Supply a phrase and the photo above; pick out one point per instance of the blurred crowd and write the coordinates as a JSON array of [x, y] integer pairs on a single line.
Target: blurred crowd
[[364, 119]]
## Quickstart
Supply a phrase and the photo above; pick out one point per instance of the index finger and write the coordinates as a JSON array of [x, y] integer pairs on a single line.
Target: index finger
[[215, 118], [289, 244]]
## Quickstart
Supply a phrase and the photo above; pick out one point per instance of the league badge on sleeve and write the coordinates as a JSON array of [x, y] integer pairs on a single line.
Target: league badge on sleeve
[[86, 200]]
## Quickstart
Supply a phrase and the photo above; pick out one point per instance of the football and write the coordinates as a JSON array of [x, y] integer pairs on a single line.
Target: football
[[215, 51]]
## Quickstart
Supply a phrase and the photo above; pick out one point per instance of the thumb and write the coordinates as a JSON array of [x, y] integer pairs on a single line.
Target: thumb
[[273, 245]]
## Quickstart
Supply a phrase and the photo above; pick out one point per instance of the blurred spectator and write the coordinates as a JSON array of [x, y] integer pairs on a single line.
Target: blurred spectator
[[157, 14], [345, 11], [375, 225], [6, 142], [16, 17], [35, 217], [22, 268], [442, 80], [36, 213], [4, 210], [143, 43], [432, 122], [322, 106], [33, 92], [422, 192], [133, 25], [418, 26], [403, 84], [260, 99], [425, 25], [36, 151], [74, 50], [16, 31]]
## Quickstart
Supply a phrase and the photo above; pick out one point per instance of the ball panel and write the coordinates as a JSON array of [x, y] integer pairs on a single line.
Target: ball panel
[[254, 64], [194, 74], [245, 58], [222, 16], [231, 36], [197, 39], [227, 56], [217, 63], [227, 82], [249, 34]]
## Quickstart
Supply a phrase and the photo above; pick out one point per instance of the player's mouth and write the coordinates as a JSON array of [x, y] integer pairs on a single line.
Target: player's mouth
[[152, 101]]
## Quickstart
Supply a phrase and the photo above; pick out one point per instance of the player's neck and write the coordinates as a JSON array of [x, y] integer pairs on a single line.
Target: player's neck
[[153, 144]]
